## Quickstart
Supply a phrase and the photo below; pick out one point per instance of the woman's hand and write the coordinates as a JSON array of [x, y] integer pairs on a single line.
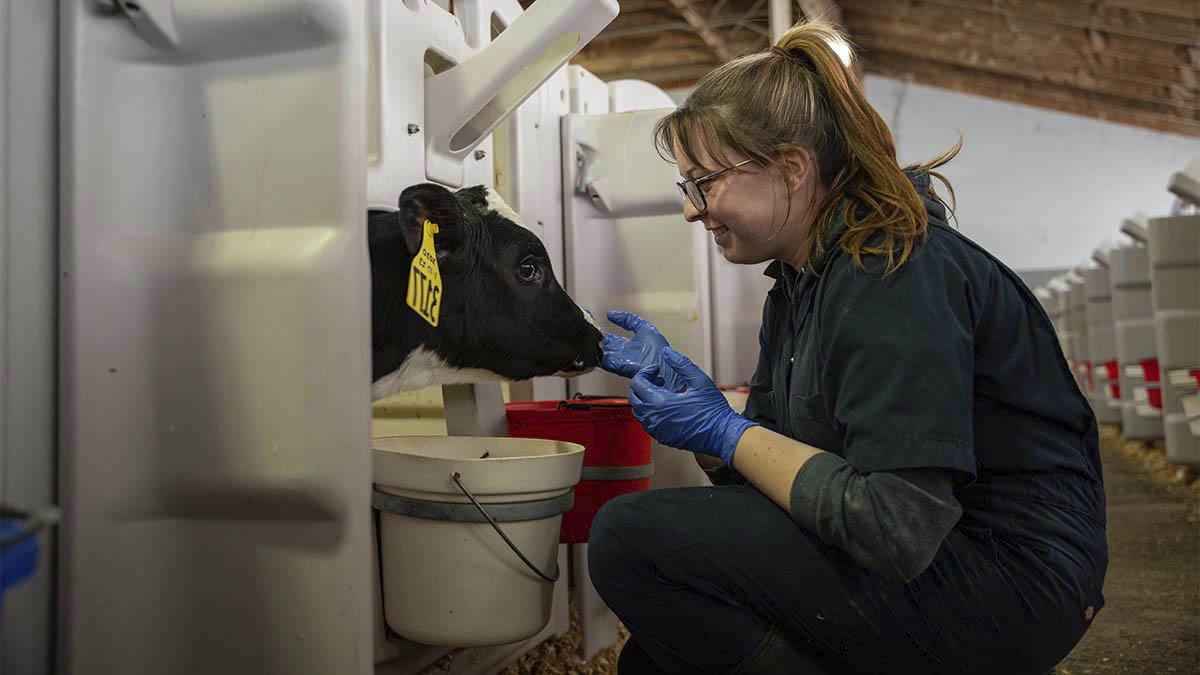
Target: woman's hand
[[626, 356], [697, 419]]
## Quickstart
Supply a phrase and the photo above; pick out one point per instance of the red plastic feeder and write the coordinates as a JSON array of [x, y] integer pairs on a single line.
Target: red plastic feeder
[[1114, 379], [617, 457], [1153, 384]]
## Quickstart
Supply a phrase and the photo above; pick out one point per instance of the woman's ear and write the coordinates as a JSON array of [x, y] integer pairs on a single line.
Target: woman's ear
[[799, 169]]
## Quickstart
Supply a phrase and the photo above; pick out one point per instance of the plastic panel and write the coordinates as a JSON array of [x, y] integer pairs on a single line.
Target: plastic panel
[[215, 341], [408, 42], [1077, 321], [630, 95], [653, 264], [738, 295], [464, 104], [28, 309], [589, 94], [1133, 313], [1102, 343], [1175, 277]]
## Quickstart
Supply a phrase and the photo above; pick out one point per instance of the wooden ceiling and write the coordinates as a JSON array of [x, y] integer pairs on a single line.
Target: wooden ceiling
[[1130, 61]]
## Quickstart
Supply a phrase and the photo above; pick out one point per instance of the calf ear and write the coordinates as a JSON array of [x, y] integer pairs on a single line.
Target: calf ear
[[436, 204], [476, 195]]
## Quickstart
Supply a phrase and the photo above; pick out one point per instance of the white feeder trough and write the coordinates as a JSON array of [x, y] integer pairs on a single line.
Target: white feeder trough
[[452, 575]]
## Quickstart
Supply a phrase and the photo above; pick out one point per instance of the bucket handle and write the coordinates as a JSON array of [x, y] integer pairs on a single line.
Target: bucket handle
[[458, 480], [584, 402]]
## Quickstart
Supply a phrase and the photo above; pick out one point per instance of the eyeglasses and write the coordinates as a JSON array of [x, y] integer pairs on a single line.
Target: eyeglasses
[[690, 189]]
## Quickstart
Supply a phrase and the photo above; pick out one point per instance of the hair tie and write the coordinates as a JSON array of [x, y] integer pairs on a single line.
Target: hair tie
[[776, 49], [801, 57]]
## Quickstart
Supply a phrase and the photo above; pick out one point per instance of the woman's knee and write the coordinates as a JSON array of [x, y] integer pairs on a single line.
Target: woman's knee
[[635, 534], [614, 532], [628, 542]]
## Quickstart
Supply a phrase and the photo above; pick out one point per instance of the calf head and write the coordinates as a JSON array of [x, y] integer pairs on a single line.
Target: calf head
[[501, 314]]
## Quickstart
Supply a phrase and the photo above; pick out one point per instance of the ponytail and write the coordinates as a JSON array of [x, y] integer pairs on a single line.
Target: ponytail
[[800, 95]]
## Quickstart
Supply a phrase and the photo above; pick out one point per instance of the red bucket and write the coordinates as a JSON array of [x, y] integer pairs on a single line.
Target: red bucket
[[617, 457]]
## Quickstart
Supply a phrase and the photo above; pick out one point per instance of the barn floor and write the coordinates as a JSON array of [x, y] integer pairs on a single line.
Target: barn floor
[[1151, 621]]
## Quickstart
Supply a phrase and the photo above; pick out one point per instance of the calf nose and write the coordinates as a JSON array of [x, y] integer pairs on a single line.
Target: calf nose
[[593, 348]]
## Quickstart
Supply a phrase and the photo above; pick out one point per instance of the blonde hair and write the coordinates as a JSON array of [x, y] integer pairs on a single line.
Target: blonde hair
[[800, 96]]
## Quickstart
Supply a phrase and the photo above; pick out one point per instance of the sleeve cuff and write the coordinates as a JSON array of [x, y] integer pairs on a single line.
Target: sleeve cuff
[[725, 475], [813, 477]]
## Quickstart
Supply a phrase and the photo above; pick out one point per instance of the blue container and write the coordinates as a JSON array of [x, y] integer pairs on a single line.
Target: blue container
[[18, 561]]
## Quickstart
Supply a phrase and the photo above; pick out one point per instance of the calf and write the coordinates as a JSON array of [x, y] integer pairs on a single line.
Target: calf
[[497, 312]]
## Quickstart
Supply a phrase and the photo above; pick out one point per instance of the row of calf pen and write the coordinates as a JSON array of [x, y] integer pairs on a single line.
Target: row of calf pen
[[1128, 321]]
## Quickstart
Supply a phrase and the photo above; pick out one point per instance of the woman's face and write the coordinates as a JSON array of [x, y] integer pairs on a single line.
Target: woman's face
[[748, 205]]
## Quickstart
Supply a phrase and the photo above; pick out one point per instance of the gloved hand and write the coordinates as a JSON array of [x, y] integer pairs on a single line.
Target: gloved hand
[[626, 356], [698, 419]]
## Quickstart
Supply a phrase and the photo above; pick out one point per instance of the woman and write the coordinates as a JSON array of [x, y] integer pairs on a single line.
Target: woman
[[914, 485]]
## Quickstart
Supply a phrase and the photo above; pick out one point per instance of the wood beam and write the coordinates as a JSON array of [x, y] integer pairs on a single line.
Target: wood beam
[[1061, 89], [666, 42], [634, 6], [666, 17], [938, 17], [668, 50], [830, 12], [611, 33], [825, 10], [1023, 91], [700, 25], [1089, 14], [1167, 103], [999, 54], [1182, 9], [688, 74]]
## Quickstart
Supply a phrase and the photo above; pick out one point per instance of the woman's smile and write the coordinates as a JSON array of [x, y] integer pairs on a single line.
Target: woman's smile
[[720, 235]]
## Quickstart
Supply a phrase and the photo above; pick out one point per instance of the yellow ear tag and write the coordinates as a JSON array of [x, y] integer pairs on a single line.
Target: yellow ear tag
[[424, 279]]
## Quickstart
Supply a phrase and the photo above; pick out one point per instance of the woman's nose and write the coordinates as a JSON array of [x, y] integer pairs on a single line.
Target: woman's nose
[[690, 212]]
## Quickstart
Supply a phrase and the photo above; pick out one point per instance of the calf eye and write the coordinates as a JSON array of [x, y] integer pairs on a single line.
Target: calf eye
[[529, 272]]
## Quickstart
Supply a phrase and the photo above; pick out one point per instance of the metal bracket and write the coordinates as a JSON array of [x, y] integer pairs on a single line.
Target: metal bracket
[[595, 189], [153, 19]]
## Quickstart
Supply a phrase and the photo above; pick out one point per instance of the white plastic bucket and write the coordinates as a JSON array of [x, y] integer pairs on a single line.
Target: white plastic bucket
[[448, 576]]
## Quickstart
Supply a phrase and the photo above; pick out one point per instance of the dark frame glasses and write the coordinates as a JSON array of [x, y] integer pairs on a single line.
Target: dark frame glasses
[[690, 189]]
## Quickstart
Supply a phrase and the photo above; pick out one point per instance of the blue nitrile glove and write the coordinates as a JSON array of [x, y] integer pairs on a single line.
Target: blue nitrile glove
[[698, 419], [626, 356]]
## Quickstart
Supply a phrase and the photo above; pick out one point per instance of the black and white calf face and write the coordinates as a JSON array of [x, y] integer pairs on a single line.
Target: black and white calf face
[[501, 313]]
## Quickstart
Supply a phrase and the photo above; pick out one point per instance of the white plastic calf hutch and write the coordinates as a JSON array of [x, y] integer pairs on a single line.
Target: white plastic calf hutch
[[211, 316], [1185, 185], [1077, 321], [1105, 387], [1061, 317], [1175, 273], [1133, 314]]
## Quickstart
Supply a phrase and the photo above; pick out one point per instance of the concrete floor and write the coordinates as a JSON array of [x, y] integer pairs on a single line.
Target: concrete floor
[[1151, 619]]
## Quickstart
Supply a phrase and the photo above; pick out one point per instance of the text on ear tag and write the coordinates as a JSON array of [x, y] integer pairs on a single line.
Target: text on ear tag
[[424, 279]]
